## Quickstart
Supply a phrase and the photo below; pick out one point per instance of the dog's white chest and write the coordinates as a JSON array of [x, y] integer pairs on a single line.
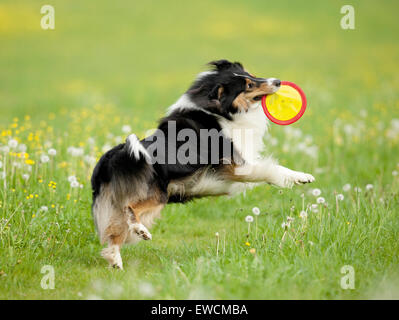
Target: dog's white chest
[[247, 131]]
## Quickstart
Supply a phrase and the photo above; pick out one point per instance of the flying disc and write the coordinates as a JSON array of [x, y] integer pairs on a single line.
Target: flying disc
[[285, 106]]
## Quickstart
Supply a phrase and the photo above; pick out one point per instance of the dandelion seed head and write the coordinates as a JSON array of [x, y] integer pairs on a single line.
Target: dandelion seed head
[[126, 129], [52, 152], [320, 200], [369, 187], [394, 173], [303, 214], [12, 143], [357, 189], [44, 158], [22, 148], [314, 207], [44, 208], [5, 149], [71, 179], [25, 176], [346, 187], [290, 219], [340, 197], [316, 192], [256, 211], [249, 219], [74, 184]]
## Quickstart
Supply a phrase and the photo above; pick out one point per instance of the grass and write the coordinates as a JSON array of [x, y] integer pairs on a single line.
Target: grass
[[123, 64]]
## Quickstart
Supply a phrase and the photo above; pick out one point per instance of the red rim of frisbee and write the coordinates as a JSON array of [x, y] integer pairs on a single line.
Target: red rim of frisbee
[[294, 119]]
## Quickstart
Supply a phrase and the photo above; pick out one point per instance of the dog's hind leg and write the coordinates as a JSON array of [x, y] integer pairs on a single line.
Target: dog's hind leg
[[116, 235]]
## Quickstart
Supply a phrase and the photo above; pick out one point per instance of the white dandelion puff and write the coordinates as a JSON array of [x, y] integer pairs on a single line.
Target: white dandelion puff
[[12, 143], [314, 207], [256, 211], [357, 189], [22, 147], [316, 192], [394, 173], [340, 197], [249, 219], [369, 187], [72, 178], [5, 149], [52, 152], [75, 184], [320, 200], [1, 164], [89, 159], [44, 208], [25, 176], [126, 129], [2, 175], [303, 214], [44, 158], [346, 187]]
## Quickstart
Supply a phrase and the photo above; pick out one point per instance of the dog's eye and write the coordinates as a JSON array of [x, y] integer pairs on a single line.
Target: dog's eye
[[250, 85]]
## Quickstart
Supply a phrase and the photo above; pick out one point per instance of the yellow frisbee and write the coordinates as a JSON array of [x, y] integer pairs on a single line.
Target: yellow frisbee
[[286, 105]]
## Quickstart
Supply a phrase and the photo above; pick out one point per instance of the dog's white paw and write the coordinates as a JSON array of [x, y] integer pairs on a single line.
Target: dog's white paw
[[289, 178], [141, 231], [113, 256]]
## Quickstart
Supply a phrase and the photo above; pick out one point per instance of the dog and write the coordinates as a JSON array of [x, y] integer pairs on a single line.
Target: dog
[[133, 181]]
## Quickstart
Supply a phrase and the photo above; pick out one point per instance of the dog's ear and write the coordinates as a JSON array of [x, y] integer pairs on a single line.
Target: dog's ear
[[216, 92], [220, 64]]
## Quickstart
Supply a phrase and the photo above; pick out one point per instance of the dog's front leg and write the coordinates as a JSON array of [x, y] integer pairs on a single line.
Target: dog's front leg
[[267, 170]]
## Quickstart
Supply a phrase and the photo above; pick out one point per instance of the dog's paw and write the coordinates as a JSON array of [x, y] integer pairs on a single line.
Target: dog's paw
[[289, 178], [112, 255], [141, 231], [302, 178]]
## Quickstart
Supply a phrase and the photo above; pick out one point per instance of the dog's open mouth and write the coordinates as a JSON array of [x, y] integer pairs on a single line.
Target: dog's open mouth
[[258, 98]]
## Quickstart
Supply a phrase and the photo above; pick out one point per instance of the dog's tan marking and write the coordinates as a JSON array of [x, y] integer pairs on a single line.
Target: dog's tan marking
[[241, 103]]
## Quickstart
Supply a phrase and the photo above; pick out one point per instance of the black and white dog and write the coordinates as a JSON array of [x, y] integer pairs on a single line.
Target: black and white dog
[[209, 144]]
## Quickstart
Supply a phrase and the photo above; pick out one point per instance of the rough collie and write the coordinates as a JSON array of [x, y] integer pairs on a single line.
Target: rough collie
[[208, 144]]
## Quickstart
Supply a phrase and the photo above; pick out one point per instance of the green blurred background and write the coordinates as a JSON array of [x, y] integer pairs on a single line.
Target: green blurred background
[[112, 63], [141, 55]]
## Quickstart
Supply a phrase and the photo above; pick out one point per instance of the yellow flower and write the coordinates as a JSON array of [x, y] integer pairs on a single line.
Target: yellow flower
[[247, 244], [29, 161], [33, 215]]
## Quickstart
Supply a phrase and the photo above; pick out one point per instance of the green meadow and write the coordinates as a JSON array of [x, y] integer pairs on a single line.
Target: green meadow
[[111, 67]]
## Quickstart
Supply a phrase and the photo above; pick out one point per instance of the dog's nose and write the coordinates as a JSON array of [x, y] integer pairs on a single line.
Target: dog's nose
[[277, 83]]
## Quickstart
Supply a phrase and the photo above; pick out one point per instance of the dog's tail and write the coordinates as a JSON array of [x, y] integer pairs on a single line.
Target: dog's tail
[[120, 177]]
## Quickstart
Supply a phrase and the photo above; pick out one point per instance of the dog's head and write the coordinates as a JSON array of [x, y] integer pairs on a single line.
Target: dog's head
[[228, 89]]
